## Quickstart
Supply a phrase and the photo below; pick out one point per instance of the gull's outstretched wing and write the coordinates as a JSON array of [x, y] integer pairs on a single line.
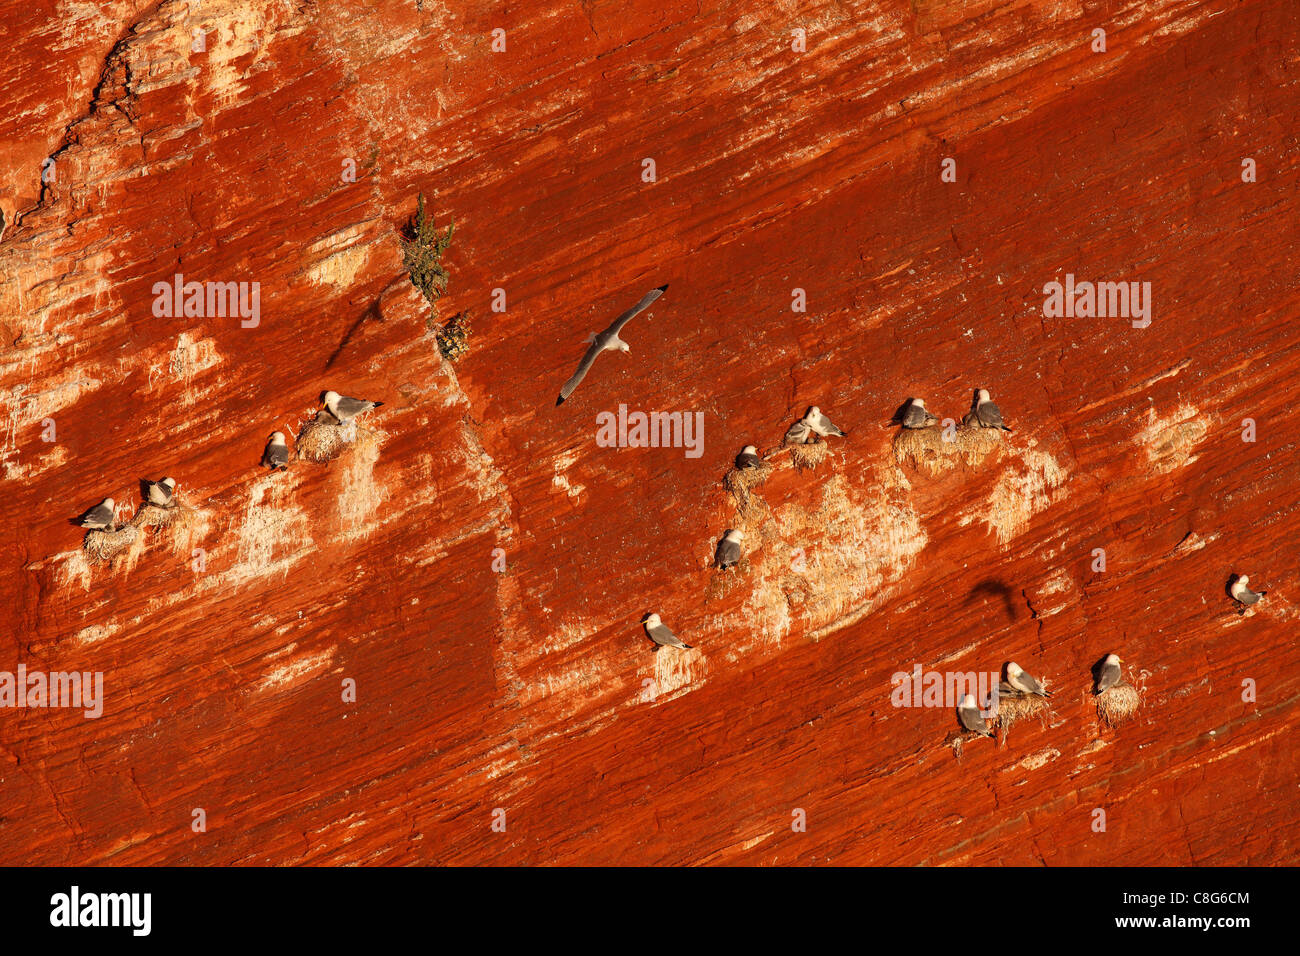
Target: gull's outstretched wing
[[587, 360], [646, 301]]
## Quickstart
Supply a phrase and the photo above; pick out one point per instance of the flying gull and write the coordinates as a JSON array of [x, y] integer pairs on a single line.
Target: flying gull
[[729, 551], [971, 718], [102, 516], [160, 492], [914, 415], [1025, 683], [820, 423], [1108, 675], [661, 635], [345, 409], [608, 341], [748, 457], [983, 412], [277, 452]]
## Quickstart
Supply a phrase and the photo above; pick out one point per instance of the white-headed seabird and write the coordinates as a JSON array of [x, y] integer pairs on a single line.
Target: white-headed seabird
[[1242, 594], [1108, 674], [748, 457], [971, 718], [661, 635], [820, 423], [608, 341], [914, 415], [345, 409], [160, 492], [729, 551], [983, 412], [102, 516], [277, 452], [1023, 682]]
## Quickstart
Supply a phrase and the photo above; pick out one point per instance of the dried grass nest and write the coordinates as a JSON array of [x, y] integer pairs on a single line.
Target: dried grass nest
[[151, 515], [322, 439], [1117, 704], [740, 483], [1012, 710], [104, 545], [925, 449], [808, 457]]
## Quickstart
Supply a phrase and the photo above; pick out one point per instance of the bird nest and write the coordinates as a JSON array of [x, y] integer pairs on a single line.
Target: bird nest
[[1118, 704], [808, 457], [323, 438], [103, 545], [923, 450], [927, 451], [151, 515], [1012, 710], [974, 444], [739, 482], [743, 480]]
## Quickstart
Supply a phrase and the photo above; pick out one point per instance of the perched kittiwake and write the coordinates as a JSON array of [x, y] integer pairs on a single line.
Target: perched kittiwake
[[729, 551], [971, 718], [820, 423], [983, 412], [660, 634], [1244, 595], [103, 515], [914, 415], [748, 457], [608, 341], [1108, 674], [345, 409], [1026, 683], [160, 492], [277, 452], [798, 434]]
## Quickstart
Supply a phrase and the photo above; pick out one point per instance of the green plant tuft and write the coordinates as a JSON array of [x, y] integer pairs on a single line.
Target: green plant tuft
[[422, 249]]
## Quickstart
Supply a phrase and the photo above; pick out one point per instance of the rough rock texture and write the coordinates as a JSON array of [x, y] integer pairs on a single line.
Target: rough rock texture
[[225, 639]]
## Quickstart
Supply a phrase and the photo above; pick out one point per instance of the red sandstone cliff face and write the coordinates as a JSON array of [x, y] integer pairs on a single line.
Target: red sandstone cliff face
[[526, 690]]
